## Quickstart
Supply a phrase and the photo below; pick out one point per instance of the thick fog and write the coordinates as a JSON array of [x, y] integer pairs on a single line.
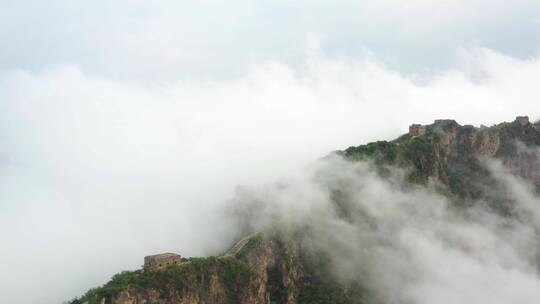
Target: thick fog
[[406, 244], [125, 126], [97, 173]]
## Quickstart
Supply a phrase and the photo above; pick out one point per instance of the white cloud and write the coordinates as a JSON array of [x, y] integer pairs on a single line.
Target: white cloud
[[97, 172]]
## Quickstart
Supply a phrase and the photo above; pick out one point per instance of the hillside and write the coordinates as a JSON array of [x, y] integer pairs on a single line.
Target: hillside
[[267, 268], [452, 155], [283, 265]]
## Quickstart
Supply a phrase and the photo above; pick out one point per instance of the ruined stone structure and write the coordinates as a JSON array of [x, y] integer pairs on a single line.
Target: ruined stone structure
[[523, 120], [417, 130], [161, 261]]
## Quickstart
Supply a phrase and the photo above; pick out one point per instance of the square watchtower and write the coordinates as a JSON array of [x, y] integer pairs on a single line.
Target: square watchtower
[[161, 261], [417, 130], [523, 120]]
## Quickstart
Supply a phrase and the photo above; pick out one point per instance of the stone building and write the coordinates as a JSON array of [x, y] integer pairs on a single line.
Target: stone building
[[417, 130], [523, 120], [161, 261]]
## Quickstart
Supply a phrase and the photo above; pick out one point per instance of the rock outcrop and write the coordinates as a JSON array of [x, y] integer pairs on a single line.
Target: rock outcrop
[[257, 270], [452, 154]]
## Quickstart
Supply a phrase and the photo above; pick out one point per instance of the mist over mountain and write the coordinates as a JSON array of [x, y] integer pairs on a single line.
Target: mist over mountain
[[132, 129], [447, 214]]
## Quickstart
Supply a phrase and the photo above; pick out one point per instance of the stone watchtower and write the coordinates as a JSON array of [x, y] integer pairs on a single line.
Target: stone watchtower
[[417, 130], [523, 120], [161, 261]]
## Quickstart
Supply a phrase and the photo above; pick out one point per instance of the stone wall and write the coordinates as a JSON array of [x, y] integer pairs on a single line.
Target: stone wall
[[161, 261]]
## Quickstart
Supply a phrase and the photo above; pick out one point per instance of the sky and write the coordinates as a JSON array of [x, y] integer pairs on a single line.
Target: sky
[[125, 126]]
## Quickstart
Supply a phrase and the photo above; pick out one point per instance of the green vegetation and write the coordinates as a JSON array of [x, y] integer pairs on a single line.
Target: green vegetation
[[253, 243], [320, 287], [415, 153], [278, 292], [460, 170], [195, 275], [321, 290], [455, 163], [380, 152], [510, 133]]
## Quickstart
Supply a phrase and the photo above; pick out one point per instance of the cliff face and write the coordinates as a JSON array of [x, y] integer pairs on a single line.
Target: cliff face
[[514, 144], [256, 270], [274, 268], [452, 154]]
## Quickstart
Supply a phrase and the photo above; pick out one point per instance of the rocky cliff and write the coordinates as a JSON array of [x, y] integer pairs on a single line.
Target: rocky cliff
[[261, 268], [453, 155]]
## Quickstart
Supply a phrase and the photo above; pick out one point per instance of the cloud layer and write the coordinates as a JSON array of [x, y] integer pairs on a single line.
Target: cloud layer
[[97, 172]]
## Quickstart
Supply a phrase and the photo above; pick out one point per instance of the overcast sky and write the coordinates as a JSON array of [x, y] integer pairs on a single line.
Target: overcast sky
[[126, 125], [153, 40]]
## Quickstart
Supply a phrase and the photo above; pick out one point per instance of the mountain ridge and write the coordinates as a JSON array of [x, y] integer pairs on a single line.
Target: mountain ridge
[[275, 266]]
